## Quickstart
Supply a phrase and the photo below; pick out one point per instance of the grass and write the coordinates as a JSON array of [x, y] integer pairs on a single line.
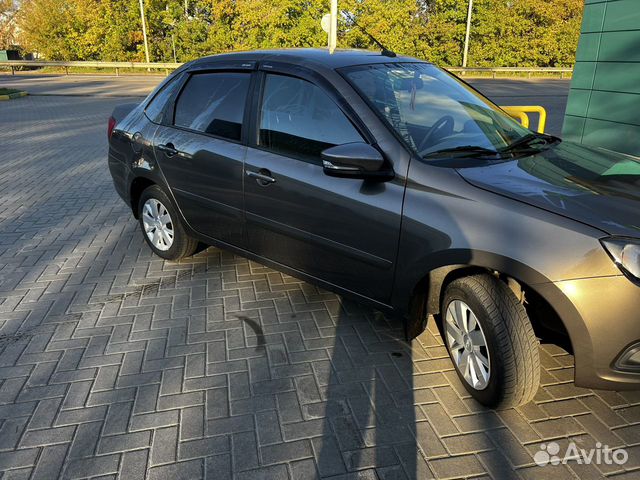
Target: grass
[[85, 71], [7, 91], [523, 75], [104, 71]]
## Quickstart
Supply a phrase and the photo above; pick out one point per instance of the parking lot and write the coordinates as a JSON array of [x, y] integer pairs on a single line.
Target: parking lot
[[117, 364]]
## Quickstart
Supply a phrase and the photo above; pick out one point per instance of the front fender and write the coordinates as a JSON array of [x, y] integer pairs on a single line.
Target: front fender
[[449, 225], [420, 285]]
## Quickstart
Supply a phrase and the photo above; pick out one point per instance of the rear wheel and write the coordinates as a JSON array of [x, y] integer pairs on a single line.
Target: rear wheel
[[491, 342], [161, 226]]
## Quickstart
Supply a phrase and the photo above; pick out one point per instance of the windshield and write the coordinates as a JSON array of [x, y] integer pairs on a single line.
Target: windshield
[[433, 111]]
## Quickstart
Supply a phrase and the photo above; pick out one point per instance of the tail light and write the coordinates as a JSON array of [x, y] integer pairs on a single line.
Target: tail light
[[111, 125]]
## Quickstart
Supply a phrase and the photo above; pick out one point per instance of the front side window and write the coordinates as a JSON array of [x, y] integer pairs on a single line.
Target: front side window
[[213, 103], [298, 119], [432, 111]]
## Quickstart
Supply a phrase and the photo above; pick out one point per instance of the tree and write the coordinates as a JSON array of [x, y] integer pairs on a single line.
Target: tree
[[81, 29], [503, 33], [8, 24], [525, 32]]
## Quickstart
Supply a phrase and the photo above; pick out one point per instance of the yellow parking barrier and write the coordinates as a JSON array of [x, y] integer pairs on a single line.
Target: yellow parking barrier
[[520, 113]]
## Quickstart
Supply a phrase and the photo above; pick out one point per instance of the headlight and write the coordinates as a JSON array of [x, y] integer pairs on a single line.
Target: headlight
[[626, 253]]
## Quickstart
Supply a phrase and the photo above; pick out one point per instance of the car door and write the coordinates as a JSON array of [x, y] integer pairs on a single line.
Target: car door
[[201, 152], [340, 230]]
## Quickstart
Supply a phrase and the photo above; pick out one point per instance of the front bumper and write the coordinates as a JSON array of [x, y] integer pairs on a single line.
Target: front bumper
[[602, 317]]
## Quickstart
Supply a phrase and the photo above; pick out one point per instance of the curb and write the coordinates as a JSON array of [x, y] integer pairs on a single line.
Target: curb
[[11, 96]]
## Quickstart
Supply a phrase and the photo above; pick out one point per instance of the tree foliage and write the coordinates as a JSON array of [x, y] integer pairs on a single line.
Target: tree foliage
[[8, 24], [503, 32]]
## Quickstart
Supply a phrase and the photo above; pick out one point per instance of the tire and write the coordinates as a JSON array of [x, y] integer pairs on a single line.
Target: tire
[[511, 349], [172, 242]]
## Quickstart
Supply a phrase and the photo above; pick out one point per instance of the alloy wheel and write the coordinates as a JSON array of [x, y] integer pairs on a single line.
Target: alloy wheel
[[467, 344], [157, 224]]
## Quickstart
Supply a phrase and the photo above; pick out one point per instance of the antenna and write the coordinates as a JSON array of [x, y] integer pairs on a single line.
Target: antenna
[[385, 51]]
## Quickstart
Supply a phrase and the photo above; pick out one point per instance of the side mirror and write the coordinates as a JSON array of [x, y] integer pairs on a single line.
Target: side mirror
[[355, 160]]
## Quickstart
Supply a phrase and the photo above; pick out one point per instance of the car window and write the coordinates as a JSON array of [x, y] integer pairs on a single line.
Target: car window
[[213, 103], [155, 109], [431, 110], [300, 120]]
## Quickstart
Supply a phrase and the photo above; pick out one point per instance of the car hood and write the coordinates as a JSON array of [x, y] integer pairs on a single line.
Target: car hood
[[591, 185]]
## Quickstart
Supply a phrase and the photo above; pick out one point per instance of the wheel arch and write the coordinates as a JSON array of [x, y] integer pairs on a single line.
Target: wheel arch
[[426, 293], [141, 180], [138, 185]]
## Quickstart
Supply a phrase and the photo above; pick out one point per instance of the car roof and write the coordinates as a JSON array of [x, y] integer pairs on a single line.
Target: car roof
[[311, 56]]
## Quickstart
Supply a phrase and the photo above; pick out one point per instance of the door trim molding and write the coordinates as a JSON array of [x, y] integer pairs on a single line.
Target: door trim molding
[[309, 237]]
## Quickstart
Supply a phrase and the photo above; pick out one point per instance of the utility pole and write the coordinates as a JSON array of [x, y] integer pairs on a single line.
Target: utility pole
[[333, 26], [144, 31], [466, 37]]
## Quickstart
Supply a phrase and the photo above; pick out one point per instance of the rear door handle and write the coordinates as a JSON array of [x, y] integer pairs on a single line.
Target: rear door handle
[[262, 176], [169, 149]]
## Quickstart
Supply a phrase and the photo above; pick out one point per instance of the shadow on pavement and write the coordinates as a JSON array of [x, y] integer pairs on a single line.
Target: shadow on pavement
[[369, 419]]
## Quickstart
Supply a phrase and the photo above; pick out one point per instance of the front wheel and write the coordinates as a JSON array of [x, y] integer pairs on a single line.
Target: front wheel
[[161, 226], [491, 342]]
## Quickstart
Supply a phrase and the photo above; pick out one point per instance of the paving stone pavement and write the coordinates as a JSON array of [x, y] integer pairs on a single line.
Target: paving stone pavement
[[117, 364]]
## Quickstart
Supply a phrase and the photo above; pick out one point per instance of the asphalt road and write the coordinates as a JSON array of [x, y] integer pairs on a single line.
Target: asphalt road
[[550, 93]]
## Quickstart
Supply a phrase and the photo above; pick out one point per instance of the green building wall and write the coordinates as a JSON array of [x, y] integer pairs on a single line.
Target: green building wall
[[603, 108]]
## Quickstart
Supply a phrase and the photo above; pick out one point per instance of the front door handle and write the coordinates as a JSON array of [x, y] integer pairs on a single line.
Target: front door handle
[[169, 149], [262, 176]]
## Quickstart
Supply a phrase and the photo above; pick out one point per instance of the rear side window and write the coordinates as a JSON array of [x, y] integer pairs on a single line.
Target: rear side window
[[158, 106], [298, 119], [213, 103]]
